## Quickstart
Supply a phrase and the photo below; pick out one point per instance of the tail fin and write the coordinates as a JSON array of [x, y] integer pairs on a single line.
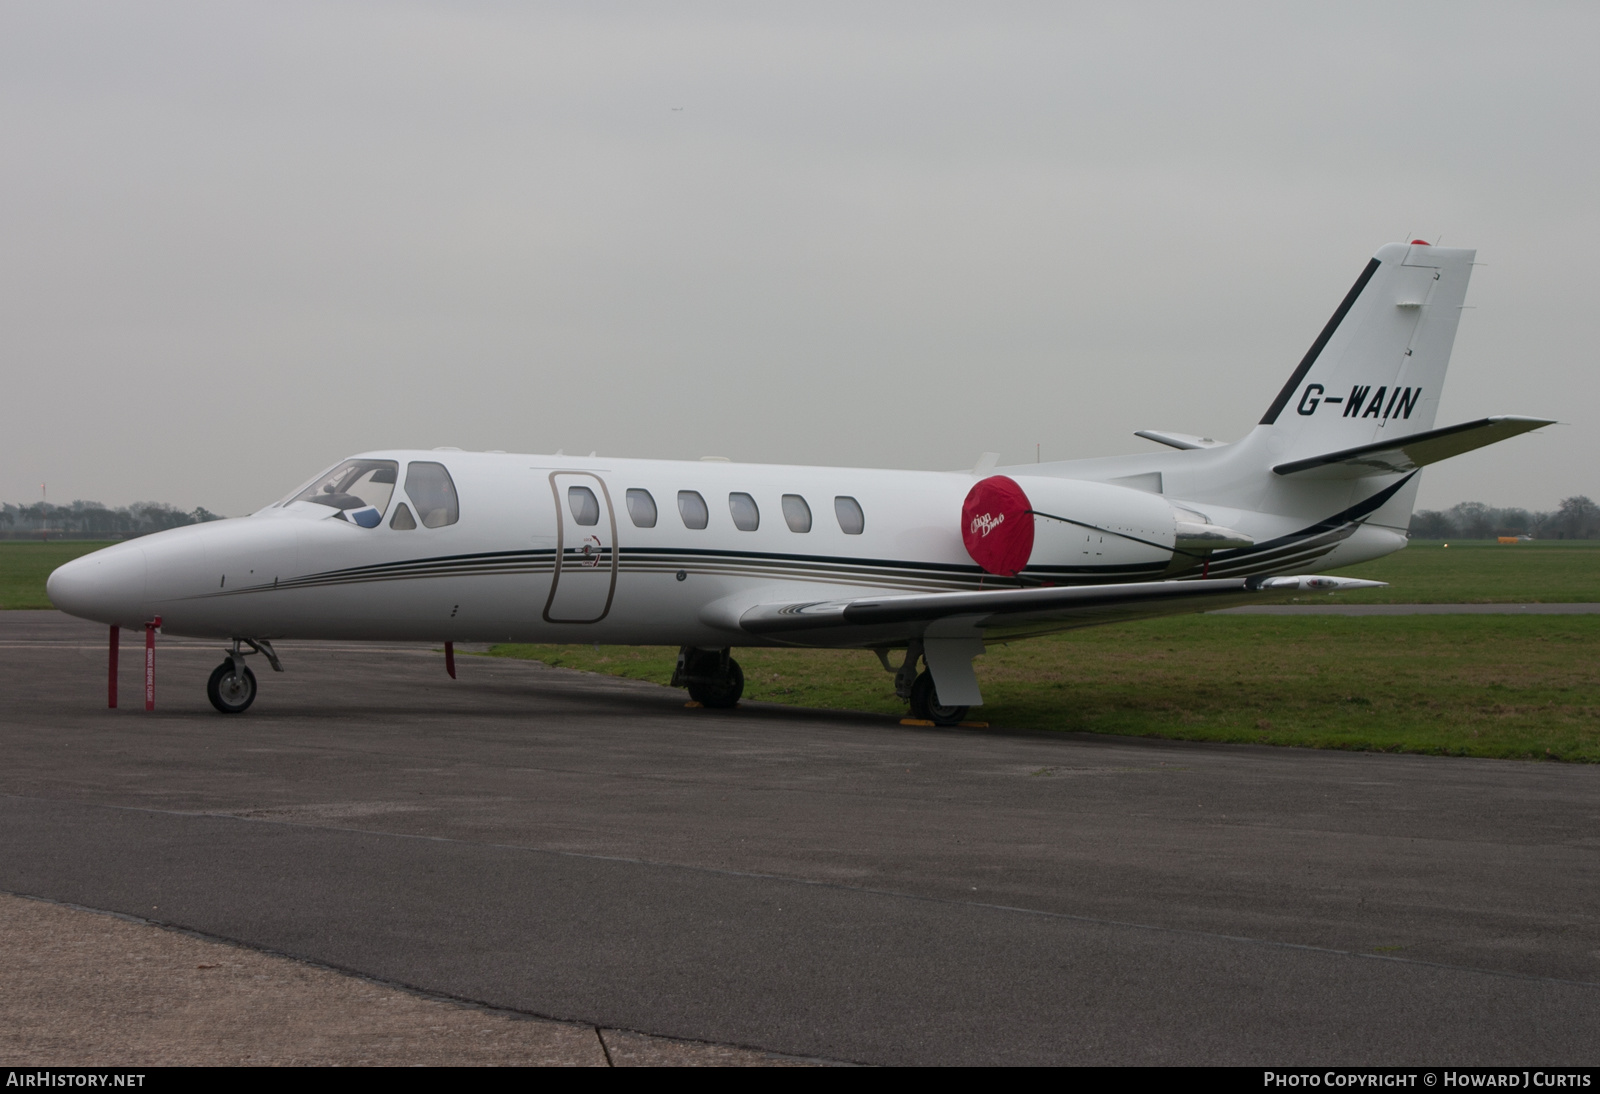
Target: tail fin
[[1376, 371]]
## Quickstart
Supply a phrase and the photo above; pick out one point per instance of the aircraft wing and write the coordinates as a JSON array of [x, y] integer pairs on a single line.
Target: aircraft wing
[[1405, 454], [878, 619]]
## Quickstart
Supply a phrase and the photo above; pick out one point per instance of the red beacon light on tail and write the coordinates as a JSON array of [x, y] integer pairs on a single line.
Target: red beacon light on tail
[[997, 526]]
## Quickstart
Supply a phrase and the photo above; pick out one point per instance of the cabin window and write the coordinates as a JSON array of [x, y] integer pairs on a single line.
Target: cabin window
[[796, 513], [430, 489], [692, 508], [402, 519], [642, 508], [359, 489], [746, 517], [584, 505], [851, 519]]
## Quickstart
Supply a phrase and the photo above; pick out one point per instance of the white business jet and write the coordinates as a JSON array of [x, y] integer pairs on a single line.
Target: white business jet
[[455, 546]]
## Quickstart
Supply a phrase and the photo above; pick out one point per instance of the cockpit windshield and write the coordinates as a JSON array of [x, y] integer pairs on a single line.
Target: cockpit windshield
[[359, 489]]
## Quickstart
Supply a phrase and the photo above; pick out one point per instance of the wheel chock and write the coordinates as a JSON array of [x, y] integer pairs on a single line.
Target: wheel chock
[[916, 722], [692, 704]]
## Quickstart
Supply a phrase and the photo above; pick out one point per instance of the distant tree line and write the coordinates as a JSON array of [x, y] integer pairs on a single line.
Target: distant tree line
[[91, 520], [1577, 518]]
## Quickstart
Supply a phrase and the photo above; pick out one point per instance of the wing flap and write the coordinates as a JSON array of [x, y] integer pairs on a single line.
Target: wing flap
[[1405, 454]]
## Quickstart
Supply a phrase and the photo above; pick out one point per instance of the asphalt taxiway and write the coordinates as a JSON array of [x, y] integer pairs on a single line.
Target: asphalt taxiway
[[818, 884]]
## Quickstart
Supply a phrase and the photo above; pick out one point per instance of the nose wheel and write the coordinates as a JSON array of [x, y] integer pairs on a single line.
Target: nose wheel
[[232, 687]]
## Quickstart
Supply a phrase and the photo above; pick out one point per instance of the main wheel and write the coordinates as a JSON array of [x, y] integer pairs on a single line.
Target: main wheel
[[231, 690], [925, 703], [722, 694]]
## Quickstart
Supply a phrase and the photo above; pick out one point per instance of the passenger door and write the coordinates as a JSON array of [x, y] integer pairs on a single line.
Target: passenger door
[[585, 577]]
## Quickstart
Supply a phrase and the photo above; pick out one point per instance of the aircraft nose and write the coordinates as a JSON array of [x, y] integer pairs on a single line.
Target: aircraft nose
[[107, 586]]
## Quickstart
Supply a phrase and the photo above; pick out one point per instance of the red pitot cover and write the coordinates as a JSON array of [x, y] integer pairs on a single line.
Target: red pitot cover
[[997, 525]]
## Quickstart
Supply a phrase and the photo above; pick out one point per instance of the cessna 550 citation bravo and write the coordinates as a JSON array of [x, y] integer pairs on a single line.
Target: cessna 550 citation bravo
[[455, 546]]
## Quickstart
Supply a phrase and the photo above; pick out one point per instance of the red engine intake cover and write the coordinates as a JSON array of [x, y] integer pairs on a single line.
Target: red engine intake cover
[[997, 526]]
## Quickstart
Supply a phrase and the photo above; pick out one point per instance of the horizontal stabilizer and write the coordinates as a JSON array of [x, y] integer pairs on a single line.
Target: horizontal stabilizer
[[1184, 441], [1406, 454], [887, 618]]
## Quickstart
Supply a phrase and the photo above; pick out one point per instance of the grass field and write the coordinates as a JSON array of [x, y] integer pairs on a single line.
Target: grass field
[[24, 567], [1507, 686], [1475, 572]]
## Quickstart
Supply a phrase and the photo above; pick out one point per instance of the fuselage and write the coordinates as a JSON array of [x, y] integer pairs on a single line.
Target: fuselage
[[658, 552]]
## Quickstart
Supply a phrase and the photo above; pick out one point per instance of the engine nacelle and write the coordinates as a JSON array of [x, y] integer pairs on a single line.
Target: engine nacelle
[[1077, 528]]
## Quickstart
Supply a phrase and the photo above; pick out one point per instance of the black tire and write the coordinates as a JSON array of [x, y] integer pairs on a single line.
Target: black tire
[[722, 694], [925, 704], [230, 692]]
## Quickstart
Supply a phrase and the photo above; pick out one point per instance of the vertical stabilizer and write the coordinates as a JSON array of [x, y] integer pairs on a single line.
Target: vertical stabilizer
[[1376, 370]]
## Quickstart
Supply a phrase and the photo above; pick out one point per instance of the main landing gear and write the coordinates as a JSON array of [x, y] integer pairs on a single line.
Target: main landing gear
[[925, 703], [232, 687], [713, 678], [917, 688]]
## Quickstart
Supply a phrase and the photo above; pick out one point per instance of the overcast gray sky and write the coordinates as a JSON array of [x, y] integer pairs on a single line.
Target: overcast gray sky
[[238, 242]]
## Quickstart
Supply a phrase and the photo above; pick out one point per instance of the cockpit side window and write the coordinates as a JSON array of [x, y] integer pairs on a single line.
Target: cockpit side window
[[430, 489], [359, 489]]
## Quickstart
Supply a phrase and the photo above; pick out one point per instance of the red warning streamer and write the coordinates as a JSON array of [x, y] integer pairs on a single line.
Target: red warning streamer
[[150, 663]]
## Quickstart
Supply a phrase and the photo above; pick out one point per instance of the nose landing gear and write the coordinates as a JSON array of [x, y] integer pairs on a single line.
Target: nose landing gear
[[232, 687]]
